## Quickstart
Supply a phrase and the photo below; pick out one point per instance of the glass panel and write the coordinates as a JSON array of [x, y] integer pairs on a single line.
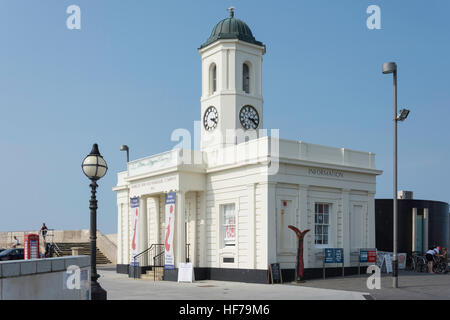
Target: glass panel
[[326, 208], [325, 239], [320, 218], [325, 218]]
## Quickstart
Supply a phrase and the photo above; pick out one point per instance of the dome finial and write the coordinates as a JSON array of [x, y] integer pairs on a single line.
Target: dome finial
[[231, 10]]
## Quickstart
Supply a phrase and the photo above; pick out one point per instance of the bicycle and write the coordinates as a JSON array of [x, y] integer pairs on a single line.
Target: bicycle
[[439, 265], [410, 262], [420, 263]]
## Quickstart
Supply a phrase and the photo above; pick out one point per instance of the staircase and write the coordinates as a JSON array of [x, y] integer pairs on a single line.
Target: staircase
[[157, 274], [66, 250]]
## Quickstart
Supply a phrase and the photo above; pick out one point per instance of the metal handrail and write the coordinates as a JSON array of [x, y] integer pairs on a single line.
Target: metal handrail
[[58, 250], [153, 252]]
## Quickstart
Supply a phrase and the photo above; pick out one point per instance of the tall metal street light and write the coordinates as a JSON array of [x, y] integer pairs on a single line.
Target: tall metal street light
[[125, 148], [391, 67], [94, 167]]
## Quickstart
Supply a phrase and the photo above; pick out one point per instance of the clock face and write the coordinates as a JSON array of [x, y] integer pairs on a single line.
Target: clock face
[[249, 117], [210, 118]]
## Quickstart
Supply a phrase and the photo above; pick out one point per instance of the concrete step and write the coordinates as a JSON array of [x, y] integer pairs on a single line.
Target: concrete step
[[66, 250]]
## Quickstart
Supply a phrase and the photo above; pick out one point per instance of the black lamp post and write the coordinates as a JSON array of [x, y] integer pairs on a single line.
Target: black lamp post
[[391, 67], [94, 167]]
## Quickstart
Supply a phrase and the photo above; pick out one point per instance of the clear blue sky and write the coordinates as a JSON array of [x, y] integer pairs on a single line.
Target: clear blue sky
[[131, 76]]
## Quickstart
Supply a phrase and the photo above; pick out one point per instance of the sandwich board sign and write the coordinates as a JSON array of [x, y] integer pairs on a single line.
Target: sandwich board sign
[[186, 272]]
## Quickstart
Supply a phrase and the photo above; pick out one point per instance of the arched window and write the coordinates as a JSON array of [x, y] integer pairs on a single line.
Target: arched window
[[212, 79], [246, 78]]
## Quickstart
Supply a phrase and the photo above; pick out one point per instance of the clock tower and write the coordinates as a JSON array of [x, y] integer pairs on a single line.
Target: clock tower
[[231, 84]]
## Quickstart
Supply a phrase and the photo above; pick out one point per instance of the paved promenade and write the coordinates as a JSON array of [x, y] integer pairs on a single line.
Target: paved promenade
[[418, 286], [120, 287]]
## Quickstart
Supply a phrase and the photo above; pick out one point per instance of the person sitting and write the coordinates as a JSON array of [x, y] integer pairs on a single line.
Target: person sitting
[[430, 257]]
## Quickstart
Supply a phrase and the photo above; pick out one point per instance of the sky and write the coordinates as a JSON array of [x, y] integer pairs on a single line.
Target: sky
[[132, 74]]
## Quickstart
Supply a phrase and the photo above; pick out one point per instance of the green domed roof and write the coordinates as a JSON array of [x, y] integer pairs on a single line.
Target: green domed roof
[[232, 28]]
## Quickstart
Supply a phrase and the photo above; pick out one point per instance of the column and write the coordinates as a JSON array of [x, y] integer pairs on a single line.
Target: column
[[251, 226], [120, 234], [202, 233], [180, 219], [302, 221], [346, 225], [126, 236], [143, 234], [425, 229], [371, 243], [194, 247], [414, 230]]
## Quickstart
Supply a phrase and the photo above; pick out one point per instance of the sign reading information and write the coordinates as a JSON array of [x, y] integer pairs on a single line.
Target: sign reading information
[[368, 255], [168, 243], [333, 255]]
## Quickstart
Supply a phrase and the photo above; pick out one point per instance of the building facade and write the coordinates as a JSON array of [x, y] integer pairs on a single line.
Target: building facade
[[421, 224], [237, 195]]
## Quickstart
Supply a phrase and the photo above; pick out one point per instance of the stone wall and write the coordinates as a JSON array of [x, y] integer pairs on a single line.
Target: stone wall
[[45, 279]]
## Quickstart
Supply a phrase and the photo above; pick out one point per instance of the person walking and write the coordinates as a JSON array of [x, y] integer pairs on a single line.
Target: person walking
[[15, 242], [43, 231]]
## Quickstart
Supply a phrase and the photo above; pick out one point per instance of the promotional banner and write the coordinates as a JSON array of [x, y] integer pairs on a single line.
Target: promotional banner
[[134, 204], [384, 261], [168, 244]]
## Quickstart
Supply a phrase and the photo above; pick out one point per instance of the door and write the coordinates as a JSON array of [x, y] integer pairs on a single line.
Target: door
[[285, 217]]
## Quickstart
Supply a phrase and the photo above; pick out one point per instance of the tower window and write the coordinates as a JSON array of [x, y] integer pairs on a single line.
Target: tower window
[[212, 78], [246, 78]]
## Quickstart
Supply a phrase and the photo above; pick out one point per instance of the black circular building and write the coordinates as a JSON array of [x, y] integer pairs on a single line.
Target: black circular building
[[421, 224]]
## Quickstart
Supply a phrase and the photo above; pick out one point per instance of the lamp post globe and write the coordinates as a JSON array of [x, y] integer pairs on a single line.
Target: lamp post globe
[[94, 167]]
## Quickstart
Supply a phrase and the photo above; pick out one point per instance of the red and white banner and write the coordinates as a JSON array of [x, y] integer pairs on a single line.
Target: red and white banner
[[168, 244], [134, 230]]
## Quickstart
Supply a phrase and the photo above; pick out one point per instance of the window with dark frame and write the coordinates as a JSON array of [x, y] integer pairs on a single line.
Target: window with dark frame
[[322, 223]]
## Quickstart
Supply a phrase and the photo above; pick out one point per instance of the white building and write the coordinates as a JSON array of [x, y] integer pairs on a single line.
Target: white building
[[237, 196]]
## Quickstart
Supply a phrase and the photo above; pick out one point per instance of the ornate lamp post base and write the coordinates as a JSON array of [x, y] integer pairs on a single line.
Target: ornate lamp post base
[[97, 292]]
